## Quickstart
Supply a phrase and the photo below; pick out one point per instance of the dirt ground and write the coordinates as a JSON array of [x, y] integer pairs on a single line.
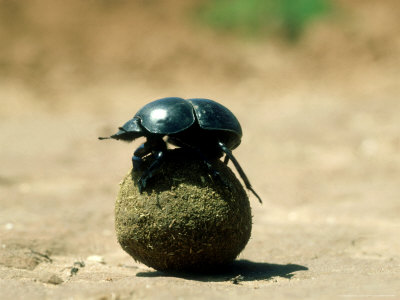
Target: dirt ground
[[321, 146]]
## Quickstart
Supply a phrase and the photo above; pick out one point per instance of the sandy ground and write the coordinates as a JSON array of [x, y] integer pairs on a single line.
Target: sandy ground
[[321, 146]]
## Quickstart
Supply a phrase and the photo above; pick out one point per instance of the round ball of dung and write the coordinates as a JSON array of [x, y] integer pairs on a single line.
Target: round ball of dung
[[185, 219]]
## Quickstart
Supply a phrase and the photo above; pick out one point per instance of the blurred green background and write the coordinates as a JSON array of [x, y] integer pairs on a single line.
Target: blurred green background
[[286, 17]]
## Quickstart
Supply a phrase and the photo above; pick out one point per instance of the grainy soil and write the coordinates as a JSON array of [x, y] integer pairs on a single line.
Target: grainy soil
[[321, 146]]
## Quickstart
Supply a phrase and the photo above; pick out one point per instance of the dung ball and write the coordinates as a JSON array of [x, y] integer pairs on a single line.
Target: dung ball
[[185, 219]]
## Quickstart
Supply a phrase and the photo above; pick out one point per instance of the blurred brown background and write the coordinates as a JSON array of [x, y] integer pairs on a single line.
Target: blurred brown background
[[321, 143]]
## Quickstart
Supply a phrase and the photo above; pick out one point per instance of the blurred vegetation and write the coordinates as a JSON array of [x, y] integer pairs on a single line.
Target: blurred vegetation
[[255, 17]]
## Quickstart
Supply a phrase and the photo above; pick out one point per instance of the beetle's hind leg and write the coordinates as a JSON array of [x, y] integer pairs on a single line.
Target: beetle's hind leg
[[226, 159], [246, 181]]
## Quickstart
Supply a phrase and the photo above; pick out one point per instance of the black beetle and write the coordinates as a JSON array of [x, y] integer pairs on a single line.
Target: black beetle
[[203, 125]]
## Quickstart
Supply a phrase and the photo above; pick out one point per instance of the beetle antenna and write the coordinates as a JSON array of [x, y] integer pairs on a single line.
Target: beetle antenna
[[104, 138], [246, 181]]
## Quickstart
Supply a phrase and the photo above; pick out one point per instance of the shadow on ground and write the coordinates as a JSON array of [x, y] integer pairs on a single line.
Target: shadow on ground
[[240, 270]]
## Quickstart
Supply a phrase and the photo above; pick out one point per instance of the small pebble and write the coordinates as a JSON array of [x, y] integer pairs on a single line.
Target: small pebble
[[9, 226], [96, 258], [50, 278]]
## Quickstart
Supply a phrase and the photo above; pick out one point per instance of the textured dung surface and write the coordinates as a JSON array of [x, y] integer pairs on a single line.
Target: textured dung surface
[[184, 220]]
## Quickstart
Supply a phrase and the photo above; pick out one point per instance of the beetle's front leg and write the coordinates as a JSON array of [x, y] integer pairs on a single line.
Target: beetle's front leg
[[154, 167], [157, 147], [152, 145], [140, 152]]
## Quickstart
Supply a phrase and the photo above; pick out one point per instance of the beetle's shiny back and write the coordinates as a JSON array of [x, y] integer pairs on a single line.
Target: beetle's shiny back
[[166, 116]]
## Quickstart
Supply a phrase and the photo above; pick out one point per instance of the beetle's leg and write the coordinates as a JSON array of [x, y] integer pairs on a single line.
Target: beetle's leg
[[246, 181], [158, 148], [139, 153], [147, 174], [152, 144], [226, 159], [214, 173]]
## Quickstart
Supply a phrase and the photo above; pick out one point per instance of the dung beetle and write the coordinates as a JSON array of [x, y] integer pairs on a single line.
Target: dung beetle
[[202, 125]]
